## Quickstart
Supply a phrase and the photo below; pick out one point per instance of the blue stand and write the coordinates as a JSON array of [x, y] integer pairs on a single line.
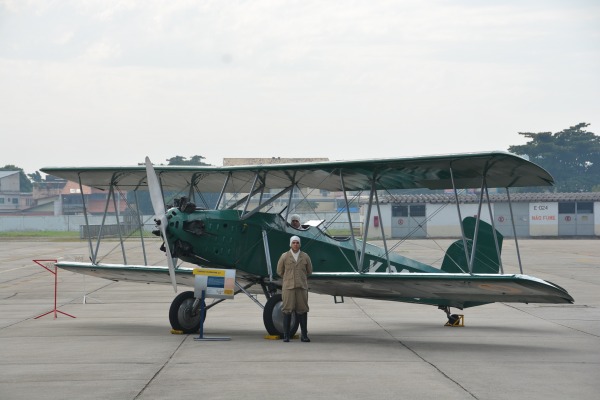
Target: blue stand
[[201, 338]]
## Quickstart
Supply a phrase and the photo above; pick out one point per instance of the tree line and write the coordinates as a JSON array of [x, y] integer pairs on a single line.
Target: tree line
[[572, 156]]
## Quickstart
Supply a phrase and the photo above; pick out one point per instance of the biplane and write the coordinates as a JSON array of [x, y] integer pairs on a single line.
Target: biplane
[[245, 228]]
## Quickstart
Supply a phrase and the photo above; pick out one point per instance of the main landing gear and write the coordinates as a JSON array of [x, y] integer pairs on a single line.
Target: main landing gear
[[273, 317], [453, 319], [184, 313]]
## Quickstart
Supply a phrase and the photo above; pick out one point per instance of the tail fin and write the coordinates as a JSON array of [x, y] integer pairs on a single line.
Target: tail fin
[[486, 257]]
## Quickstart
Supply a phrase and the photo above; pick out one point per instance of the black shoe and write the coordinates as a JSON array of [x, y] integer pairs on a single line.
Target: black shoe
[[303, 324], [287, 321]]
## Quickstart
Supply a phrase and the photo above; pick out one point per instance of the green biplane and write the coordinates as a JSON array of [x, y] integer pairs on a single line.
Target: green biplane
[[246, 229]]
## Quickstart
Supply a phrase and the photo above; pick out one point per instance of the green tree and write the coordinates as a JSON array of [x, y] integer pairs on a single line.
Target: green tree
[[26, 185], [35, 177], [572, 156], [194, 160], [144, 197]]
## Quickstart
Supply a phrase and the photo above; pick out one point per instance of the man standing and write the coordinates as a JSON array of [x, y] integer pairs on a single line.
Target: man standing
[[294, 266]]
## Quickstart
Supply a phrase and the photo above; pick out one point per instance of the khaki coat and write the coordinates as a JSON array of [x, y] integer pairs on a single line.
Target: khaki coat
[[294, 273]]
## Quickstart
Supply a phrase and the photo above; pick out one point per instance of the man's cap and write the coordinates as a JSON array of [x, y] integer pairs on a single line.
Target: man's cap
[[294, 238], [295, 217]]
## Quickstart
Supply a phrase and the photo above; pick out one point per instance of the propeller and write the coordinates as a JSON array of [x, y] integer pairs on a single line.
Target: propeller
[[160, 215]]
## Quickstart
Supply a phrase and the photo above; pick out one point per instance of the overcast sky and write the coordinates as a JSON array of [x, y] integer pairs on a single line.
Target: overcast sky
[[86, 82]]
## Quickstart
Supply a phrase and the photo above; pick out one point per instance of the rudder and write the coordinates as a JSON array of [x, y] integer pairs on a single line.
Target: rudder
[[486, 258]]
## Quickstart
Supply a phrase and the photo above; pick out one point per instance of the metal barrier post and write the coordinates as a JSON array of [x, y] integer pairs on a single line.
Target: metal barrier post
[[55, 273]]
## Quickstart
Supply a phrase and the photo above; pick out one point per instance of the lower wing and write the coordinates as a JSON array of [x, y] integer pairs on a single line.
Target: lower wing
[[130, 273], [454, 290], [445, 289]]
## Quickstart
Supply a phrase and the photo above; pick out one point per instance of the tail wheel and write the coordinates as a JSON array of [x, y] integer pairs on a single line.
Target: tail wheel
[[273, 317], [181, 314]]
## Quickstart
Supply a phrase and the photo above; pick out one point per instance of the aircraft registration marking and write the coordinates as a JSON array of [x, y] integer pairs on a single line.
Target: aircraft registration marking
[[374, 266]]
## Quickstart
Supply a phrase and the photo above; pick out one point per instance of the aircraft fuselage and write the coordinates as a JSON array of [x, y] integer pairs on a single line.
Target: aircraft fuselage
[[221, 238]]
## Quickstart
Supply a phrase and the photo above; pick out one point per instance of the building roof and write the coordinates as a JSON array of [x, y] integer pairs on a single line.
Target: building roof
[[494, 198], [4, 174]]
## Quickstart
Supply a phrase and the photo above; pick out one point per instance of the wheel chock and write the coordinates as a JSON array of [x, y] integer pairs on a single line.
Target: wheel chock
[[277, 337], [176, 332], [458, 322]]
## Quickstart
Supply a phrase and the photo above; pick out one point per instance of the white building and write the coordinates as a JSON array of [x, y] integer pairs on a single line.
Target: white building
[[533, 214], [11, 198]]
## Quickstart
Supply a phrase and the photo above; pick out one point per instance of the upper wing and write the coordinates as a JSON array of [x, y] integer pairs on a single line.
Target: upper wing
[[455, 290], [434, 172]]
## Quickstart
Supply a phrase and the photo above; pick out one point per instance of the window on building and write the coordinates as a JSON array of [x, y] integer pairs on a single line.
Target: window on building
[[399, 211], [566, 207], [15, 200], [1, 200], [585, 207], [417, 211]]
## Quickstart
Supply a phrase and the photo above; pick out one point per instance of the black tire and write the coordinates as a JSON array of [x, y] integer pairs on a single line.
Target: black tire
[[273, 317], [180, 313]]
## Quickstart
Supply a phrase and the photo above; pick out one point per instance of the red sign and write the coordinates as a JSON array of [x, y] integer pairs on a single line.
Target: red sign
[[568, 218], [501, 219], [400, 221]]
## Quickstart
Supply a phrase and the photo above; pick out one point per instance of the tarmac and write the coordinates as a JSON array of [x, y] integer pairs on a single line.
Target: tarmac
[[119, 344]]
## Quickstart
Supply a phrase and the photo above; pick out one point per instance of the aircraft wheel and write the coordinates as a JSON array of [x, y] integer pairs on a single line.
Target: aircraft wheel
[[273, 317], [180, 313]]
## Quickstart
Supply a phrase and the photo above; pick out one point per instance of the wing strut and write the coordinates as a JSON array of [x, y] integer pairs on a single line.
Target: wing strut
[[195, 190], [365, 235], [289, 204], [87, 222], [247, 198], [266, 203], [118, 223], [462, 229], [141, 225], [223, 191], [113, 191], [349, 218], [385, 248], [110, 193], [267, 255], [253, 191], [512, 218], [476, 234], [487, 195]]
